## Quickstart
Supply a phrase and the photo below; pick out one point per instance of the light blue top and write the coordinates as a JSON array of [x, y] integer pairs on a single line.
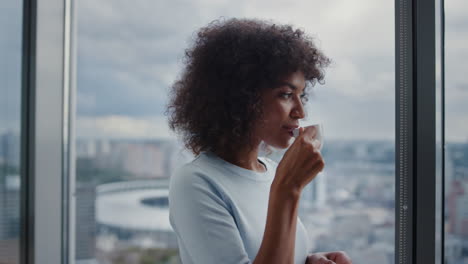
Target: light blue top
[[218, 211]]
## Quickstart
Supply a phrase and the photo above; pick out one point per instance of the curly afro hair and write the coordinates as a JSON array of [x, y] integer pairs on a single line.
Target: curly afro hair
[[216, 101]]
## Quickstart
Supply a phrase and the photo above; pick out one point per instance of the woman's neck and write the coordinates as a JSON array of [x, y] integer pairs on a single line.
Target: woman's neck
[[245, 159]]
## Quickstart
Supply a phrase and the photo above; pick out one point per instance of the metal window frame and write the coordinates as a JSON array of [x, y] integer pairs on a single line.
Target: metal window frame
[[46, 97], [27, 183], [415, 149]]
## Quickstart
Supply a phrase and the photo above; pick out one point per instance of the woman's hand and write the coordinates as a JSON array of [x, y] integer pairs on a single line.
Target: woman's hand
[[300, 164], [338, 257]]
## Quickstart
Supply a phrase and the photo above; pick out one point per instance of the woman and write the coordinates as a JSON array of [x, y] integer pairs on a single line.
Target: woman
[[244, 86]]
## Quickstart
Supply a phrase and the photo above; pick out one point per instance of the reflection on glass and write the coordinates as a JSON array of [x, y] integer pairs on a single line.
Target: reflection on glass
[[456, 132], [130, 53], [10, 109]]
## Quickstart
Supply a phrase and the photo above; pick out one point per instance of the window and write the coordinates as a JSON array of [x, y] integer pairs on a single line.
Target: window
[[456, 136], [128, 56], [10, 128], [393, 189]]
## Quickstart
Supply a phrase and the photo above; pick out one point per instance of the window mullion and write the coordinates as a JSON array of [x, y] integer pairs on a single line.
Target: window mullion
[[415, 129]]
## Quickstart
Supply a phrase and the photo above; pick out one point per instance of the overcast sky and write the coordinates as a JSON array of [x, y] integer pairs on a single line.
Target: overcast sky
[[10, 65], [129, 53]]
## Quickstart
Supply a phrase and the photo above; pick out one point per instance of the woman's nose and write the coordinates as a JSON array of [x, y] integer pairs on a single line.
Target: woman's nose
[[298, 111]]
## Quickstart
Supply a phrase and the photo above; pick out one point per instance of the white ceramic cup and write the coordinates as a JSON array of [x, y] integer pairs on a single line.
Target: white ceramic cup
[[318, 133]]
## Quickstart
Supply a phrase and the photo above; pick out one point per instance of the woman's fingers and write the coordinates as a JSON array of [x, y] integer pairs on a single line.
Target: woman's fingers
[[310, 132], [318, 167], [339, 257], [314, 161], [325, 261], [301, 131], [301, 162], [319, 259]]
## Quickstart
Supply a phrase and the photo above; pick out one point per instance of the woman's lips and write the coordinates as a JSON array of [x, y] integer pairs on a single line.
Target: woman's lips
[[289, 131]]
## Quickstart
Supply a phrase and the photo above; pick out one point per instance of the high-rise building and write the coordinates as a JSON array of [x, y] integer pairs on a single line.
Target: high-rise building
[[461, 211], [85, 225], [10, 149], [9, 217]]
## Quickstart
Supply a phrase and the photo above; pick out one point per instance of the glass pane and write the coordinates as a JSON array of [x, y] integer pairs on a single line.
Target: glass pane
[[350, 206], [456, 132], [10, 123], [129, 53]]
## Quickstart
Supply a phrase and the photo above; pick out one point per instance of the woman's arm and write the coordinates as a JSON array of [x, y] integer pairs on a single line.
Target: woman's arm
[[280, 230], [300, 164]]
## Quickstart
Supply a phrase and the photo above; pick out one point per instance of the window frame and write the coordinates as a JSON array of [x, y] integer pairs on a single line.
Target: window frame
[[416, 215], [45, 115]]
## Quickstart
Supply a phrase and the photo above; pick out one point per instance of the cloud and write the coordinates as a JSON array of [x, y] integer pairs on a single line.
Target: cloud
[[344, 118], [10, 66], [129, 53], [456, 83], [455, 10], [137, 47], [456, 127]]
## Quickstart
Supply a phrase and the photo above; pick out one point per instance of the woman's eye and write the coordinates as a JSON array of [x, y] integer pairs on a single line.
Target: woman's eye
[[304, 97]]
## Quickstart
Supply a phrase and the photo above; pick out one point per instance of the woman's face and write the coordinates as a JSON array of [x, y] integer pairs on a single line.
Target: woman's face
[[282, 109]]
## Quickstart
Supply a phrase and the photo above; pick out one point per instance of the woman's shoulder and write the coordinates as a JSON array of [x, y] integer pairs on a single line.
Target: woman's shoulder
[[195, 172], [190, 181], [186, 172]]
